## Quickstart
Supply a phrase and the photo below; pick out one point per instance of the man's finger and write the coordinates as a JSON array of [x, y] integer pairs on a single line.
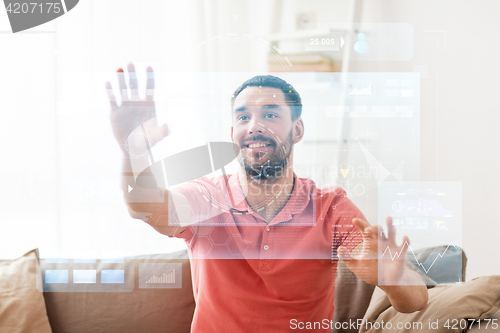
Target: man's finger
[[373, 232], [134, 91], [111, 96], [368, 233], [361, 227], [391, 230], [380, 233], [122, 85], [360, 224], [158, 133], [150, 84], [404, 247]]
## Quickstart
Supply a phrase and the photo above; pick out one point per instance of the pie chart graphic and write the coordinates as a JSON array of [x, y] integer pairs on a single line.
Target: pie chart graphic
[[25, 15]]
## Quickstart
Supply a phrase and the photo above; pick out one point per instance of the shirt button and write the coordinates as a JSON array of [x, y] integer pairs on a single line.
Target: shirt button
[[268, 228], [266, 247]]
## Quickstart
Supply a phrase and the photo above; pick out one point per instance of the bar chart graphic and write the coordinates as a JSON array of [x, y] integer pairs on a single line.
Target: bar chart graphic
[[160, 275], [366, 90], [164, 278]]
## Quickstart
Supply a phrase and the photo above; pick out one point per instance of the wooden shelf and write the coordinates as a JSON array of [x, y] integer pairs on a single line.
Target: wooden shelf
[[301, 34]]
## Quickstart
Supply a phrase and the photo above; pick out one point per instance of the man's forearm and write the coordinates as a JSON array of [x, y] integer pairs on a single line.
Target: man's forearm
[[138, 199], [152, 204], [142, 203], [409, 297]]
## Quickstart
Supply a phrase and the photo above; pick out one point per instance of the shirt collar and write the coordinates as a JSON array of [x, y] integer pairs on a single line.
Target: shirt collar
[[298, 201]]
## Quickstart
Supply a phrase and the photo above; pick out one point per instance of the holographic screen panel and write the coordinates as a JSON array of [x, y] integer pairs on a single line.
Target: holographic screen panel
[[382, 114], [371, 41], [430, 214], [108, 275], [380, 139]]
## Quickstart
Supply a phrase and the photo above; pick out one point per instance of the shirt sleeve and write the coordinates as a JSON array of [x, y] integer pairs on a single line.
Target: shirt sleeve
[[205, 201]]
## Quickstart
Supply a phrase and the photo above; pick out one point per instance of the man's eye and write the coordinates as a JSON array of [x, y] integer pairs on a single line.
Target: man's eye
[[271, 115], [242, 118]]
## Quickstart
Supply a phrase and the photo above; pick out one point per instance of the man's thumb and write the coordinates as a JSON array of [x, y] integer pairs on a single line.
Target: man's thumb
[[164, 127], [158, 133]]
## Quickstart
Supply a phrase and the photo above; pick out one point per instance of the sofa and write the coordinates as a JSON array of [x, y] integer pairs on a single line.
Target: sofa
[[28, 304]]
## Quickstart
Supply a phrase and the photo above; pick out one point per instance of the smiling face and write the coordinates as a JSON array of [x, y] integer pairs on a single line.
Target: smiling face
[[264, 130]]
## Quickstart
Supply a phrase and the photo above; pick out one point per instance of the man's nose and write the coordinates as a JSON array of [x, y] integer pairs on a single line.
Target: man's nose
[[256, 127]]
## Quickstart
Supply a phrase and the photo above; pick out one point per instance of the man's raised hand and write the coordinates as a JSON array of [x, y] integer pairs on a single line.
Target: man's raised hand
[[380, 260], [134, 122]]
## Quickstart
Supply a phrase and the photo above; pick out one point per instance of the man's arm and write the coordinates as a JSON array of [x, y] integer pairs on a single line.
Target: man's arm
[[404, 288], [136, 130], [152, 205], [408, 298]]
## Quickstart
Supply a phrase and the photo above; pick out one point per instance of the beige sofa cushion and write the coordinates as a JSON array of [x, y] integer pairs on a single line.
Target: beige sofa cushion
[[22, 307], [477, 299], [489, 325]]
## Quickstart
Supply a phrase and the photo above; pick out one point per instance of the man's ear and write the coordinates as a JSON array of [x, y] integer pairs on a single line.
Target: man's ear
[[231, 133], [298, 130]]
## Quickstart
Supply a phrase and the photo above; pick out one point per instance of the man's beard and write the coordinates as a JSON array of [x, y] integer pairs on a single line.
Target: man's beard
[[270, 166]]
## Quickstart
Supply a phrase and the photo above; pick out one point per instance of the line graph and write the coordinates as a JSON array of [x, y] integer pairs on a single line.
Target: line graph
[[397, 254]]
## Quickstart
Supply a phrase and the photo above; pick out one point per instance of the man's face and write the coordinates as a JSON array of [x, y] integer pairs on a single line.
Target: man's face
[[263, 128]]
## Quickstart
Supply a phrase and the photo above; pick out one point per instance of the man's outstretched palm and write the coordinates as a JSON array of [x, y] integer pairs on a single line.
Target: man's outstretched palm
[[134, 121], [380, 260]]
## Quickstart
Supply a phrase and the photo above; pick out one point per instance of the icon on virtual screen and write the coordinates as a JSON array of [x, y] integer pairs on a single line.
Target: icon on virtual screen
[[160, 275], [361, 45]]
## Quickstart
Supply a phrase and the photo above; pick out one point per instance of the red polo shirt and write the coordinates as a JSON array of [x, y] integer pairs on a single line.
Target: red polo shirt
[[253, 276]]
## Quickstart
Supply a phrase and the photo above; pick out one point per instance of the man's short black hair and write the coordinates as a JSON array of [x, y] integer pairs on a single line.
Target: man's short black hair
[[292, 97]]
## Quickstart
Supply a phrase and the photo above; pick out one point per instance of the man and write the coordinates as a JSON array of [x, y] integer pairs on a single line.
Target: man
[[264, 244]]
